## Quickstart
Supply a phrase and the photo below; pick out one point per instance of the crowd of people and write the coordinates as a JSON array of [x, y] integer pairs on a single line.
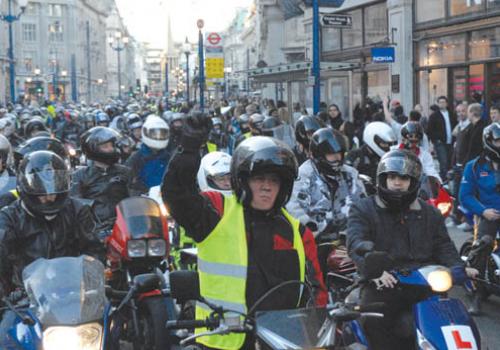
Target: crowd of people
[[252, 186]]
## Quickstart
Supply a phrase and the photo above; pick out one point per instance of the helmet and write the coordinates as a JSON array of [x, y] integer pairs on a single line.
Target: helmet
[[97, 136], [34, 127], [39, 143], [327, 141], [243, 121], [377, 135], [134, 121], [155, 132], [269, 124], [305, 128], [212, 166], [118, 124], [126, 145], [5, 152], [263, 154], [412, 133], [43, 173], [176, 123], [255, 122], [101, 119], [490, 135], [7, 125], [403, 163]]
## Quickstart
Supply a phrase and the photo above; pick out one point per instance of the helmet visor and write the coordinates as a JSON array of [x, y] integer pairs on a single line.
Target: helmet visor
[[400, 166], [45, 182], [159, 134]]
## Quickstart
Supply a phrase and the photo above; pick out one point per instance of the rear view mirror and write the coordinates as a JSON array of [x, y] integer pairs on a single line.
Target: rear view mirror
[[185, 285], [376, 263], [146, 282]]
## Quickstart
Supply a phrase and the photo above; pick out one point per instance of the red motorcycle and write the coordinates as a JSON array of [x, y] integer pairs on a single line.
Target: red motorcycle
[[138, 245]]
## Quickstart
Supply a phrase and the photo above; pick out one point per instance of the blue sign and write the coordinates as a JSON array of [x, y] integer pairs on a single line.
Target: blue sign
[[383, 55], [326, 3]]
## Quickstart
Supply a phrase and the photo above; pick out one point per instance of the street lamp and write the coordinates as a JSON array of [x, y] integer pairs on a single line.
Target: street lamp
[[187, 52], [118, 44], [10, 18]]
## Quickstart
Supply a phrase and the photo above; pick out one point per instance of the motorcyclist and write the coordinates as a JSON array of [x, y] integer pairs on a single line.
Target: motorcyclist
[[103, 182], [378, 137], [325, 189], [217, 140], [7, 175], [249, 230], [304, 129], [134, 126], [254, 126], [70, 131], [35, 127], [44, 222], [8, 129], [101, 119], [411, 231], [149, 163], [480, 194], [175, 124]]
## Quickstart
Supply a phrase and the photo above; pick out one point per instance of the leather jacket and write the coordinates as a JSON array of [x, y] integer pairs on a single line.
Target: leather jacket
[[25, 238]]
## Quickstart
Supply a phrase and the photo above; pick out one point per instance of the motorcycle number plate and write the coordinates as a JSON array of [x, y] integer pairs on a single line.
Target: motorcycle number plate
[[459, 338]]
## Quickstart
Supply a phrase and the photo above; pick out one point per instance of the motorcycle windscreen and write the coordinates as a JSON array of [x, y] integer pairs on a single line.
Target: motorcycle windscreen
[[66, 291], [142, 217], [291, 329], [7, 183], [283, 133]]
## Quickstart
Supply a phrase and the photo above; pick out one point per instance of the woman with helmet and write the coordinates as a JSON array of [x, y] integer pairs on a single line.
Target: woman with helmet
[[149, 163], [214, 173], [378, 137], [480, 194], [44, 222], [411, 231], [250, 229], [103, 183], [304, 129], [325, 189]]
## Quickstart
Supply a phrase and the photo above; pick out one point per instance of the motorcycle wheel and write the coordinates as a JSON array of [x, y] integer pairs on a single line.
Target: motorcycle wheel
[[152, 315], [464, 252]]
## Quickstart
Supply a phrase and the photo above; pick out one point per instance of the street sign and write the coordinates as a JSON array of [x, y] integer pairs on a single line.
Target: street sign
[[214, 67], [383, 55], [200, 23], [214, 38], [336, 21]]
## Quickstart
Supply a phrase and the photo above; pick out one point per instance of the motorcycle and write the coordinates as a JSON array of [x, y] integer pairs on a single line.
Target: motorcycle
[[438, 321], [74, 154], [139, 244], [65, 307]]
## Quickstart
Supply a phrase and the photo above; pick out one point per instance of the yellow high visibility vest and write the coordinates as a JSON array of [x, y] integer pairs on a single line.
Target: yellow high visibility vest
[[211, 147], [222, 267]]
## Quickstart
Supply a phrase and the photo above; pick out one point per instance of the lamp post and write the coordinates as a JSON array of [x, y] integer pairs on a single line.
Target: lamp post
[[118, 44], [11, 18], [316, 58], [201, 78], [187, 52]]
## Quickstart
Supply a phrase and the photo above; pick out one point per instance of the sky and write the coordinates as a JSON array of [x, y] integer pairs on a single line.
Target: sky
[[146, 20]]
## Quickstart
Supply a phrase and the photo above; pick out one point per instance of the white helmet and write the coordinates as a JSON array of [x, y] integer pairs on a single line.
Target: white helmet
[[377, 133], [214, 164], [155, 132], [8, 125], [5, 152]]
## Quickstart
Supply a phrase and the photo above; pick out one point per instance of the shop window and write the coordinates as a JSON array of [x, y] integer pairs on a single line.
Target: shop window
[[433, 83], [494, 83], [429, 10], [463, 7], [356, 87], [484, 44], [459, 83], [445, 50], [476, 82], [330, 39], [353, 37], [378, 84], [375, 23], [493, 4]]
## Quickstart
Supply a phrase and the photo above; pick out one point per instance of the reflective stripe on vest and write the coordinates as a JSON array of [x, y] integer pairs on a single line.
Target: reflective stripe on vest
[[211, 147], [222, 267], [15, 193]]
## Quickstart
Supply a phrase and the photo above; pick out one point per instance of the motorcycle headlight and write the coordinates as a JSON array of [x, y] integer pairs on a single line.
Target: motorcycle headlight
[[157, 247], [85, 337], [444, 208], [72, 152], [438, 277], [136, 248], [423, 343]]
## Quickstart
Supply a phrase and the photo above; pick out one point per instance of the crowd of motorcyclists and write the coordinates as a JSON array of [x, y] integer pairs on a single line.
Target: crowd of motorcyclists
[[259, 196]]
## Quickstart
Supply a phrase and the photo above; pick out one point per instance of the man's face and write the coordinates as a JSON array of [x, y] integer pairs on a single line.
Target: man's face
[[461, 112], [443, 104], [494, 115], [265, 189], [398, 183], [107, 147], [137, 133], [333, 157], [50, 198]]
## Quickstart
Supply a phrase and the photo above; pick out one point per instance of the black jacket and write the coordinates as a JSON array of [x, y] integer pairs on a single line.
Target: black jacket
[[25, 238], [70, 133], [473, 141], [105, 187], [436, 128], [364, 160], [271, 259], [414, 238]]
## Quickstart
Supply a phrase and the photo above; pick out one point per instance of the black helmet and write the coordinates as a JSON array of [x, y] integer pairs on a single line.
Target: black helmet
[[43, 173], [134, 121], [97, 136], [39, 143], [34, 127], [403, 163], [412, 130], [323, 142], [260, 154], [491, 134], [101, 119], [305, 128]]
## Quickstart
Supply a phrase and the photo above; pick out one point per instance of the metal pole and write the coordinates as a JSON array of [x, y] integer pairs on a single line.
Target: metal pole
[[56, 79], [12, 68], [248, 71], [202, 70], [74, 91], [316, 58], [187, 76], [119, 74], [166, 85], [89, 76]]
